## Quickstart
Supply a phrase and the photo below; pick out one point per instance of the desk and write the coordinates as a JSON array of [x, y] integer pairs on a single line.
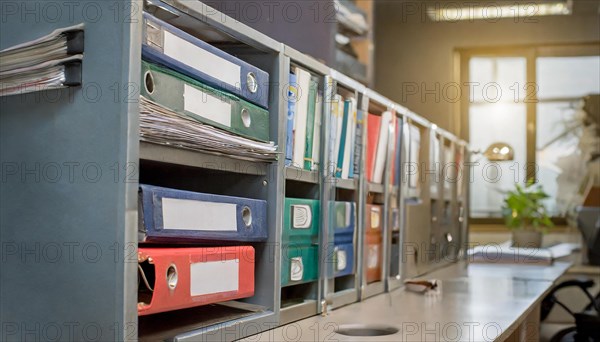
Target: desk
[[474, 303]]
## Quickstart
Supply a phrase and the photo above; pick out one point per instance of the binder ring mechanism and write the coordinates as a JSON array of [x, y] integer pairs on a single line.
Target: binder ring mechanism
[[247, 216]]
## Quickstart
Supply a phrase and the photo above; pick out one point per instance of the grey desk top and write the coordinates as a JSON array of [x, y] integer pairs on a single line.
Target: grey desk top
[[473, 303]]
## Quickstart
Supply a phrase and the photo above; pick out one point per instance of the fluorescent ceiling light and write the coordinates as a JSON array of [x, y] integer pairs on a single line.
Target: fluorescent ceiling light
[[450, 11]]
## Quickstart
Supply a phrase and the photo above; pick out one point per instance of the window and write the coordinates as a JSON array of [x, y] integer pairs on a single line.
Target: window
[[528, 98], [562, 82]]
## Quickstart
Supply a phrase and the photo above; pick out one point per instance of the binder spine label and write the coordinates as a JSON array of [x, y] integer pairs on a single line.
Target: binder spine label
[[341, 260], [225, 277], [206, 106], [200, 59], [296, 269], [373, 256], [374, 218], [198, 215], [302, 216]]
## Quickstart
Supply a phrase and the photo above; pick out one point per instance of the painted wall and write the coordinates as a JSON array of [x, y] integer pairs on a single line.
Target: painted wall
[[414, 56]]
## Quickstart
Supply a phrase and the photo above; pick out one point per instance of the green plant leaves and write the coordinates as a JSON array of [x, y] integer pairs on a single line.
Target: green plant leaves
[[523, 208]]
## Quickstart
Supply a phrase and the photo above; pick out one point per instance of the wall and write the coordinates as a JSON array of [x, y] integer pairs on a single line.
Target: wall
[[414, 55], [307, 26]]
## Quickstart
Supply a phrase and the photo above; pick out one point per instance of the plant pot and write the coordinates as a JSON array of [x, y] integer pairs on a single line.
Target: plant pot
[[526, 238]]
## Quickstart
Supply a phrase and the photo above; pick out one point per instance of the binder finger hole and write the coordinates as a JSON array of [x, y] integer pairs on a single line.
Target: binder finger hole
[[247, 216], [251, 82], [246, 120], [172, 277], [149, 82]]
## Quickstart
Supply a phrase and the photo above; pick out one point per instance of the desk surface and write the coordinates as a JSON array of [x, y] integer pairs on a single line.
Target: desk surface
[[473, 302]]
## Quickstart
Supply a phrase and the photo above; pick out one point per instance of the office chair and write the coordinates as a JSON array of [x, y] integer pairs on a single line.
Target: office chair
[[587, 322]]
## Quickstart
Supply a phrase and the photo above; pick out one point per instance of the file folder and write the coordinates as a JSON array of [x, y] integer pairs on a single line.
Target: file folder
[[373, 250], [301, 221], [344, 217], [291, 114], [299, 264], [344, 220], [179, 278], [300, 252], [395, 219], [169, 215], [203, 103], [343, 259], [165, 44], [303, 79], [310, 122], [449, 171], [382, 147], [414, 150], [434, 167], [373, 124]]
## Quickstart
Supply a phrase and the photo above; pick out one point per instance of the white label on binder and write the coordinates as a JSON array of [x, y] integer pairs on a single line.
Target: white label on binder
[[206, 106], [301, 216], [202, 60], [374, 217], [198, 215], [214, 277], [373, 256], [342, 261], [296, 269]]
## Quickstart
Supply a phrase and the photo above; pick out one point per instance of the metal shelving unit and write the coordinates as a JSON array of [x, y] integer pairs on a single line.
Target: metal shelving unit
[[178, 156], [84, 210], [378, 194], [307, 184], [343, 290], [398, 193], [196, 171]]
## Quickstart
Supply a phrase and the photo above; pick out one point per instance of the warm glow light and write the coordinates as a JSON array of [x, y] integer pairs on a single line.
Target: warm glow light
[[451, 12]]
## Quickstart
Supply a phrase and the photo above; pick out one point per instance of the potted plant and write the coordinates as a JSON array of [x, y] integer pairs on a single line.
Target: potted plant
[[526, 215]]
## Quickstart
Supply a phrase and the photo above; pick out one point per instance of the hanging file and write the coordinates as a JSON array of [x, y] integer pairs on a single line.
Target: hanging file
[[185, 95], [184, 53], [179, 278], [168, 215]]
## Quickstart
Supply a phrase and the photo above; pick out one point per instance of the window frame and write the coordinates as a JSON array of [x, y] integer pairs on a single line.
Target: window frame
[[531, 53]]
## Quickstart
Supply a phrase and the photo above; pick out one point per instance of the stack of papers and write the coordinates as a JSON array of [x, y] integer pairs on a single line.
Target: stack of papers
[[52, 61], [506, 254], [163, 126]]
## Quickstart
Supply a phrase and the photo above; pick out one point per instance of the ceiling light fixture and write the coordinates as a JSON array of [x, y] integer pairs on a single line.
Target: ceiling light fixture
[[450, 11]]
